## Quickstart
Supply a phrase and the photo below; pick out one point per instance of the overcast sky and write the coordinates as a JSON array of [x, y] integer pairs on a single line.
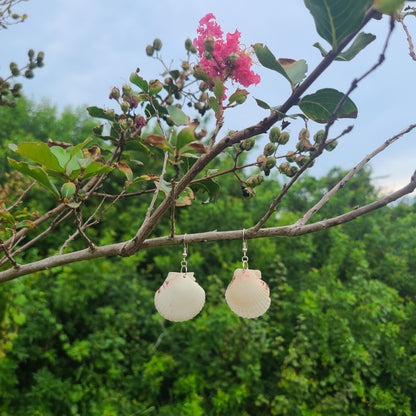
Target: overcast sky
[[93, 45]]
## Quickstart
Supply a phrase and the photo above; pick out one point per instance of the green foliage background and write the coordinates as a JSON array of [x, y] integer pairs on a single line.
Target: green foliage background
[[338, 339]]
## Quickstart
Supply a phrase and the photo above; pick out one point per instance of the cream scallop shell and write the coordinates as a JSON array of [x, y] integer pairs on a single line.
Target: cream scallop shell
[[247, 295], [180, 297]]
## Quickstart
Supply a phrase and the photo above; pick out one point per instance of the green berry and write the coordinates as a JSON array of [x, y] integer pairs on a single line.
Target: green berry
[[157, 44]]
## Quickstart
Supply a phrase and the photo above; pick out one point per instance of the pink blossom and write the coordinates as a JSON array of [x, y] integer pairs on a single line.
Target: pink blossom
[[229, 60]]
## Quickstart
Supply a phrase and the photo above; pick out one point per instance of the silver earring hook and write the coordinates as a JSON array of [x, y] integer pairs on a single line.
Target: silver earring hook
[[184, 263], [244, 259]]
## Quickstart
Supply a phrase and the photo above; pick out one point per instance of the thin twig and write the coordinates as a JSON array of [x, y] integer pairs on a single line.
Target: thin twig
[[22, 196], [8, 255], [34, 240], [126, 195], [408, 37], [308, 215], [78, 223]]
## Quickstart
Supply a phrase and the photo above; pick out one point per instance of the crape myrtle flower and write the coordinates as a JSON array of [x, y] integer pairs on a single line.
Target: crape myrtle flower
[[223, 59]]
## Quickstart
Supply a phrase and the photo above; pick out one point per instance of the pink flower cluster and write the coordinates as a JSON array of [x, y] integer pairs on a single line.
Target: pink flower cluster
[[228, 60]]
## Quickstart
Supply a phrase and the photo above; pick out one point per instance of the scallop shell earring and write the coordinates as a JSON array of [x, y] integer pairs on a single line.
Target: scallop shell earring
[[180, 297], [247, 295]]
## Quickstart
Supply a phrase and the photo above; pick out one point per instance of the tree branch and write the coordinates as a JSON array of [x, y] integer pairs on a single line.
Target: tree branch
[[286, 231]]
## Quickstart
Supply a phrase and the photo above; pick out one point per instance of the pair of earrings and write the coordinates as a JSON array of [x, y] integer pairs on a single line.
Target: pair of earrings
[[181, 298]]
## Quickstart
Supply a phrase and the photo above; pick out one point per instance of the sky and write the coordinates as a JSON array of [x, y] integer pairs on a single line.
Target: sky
[[91, 46]]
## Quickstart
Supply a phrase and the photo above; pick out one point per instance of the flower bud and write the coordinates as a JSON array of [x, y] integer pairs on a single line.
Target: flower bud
[[331, 145], [284, 137], [232, 58], [269, 149], [188, 44], [123, 124], [274, 134], [304, 134], [319, 136], [209, 44], [270, 163], [31, 53], [291, 171], [304, 145], [14, 69], [127, 90], [255, 180], [261, 161], [150, 50], [185, 65], [291, 156], [203, 86], [29, 73], [247, 144], [203, 97], [248, 192], [284, 167], [125, 106], [301, 160], [157, 44], [169, 100], [114, 94]]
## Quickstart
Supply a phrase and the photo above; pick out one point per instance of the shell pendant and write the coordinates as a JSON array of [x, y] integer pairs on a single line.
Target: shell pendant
[[180, 297], [247, 295]]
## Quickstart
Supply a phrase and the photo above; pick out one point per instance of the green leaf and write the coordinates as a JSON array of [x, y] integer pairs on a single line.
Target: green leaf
[[36, 173], [185, 136], [177, 115], [125, 168], [73, 205], [268, 60], [61, 154], [41, 153], [6, 216], [157, 141], [139, 81], [101, 113], [218, 89], [320, 105], [185, 198], [209, 186], [388, 6], [360, 42], [95, 168], [262, 104], [75, 149], [337, 19], [214, 105], [295, 70]]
